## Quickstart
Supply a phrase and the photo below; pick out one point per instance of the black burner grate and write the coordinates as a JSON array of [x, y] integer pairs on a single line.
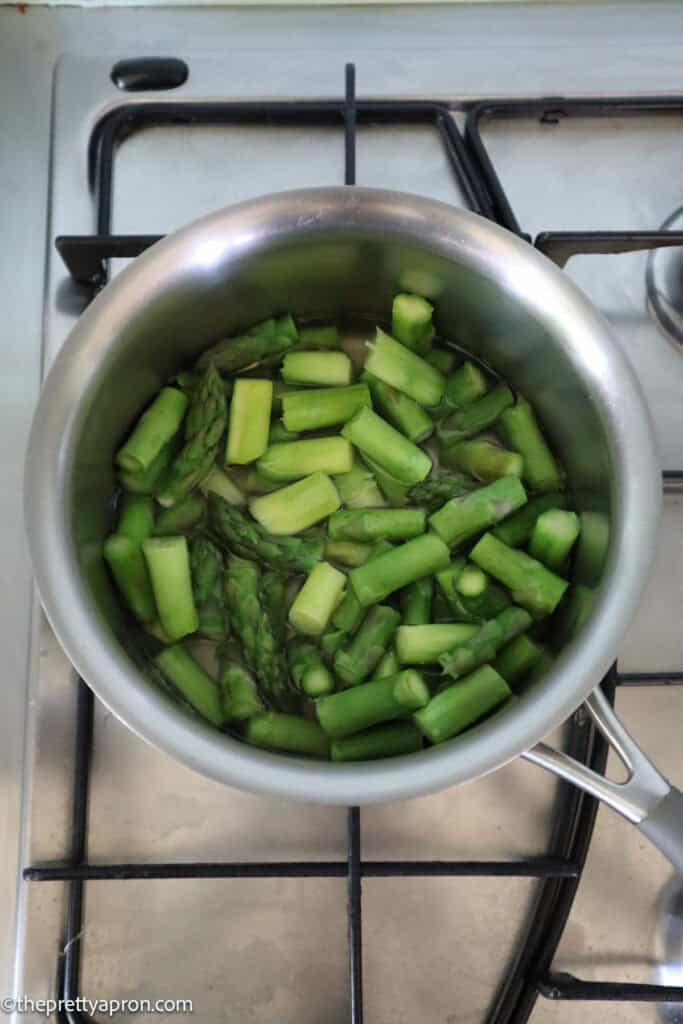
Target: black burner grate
[[559, 871]]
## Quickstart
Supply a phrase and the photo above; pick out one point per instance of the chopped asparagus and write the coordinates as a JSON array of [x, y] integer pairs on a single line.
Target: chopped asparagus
[[411, 322], [330, 368], [266, 340], [218, 482], [483, 645], [349, 614], [389, 665], [517, 528], [257, 483], [146, 481], [186, 514], [424, 645], [358, 488], [416, 602], [294, 459], [125, 559], [278, 433], [236, 531], [591, 550], [405, 414], [347, 552], [276, 731], [136, 518], [395, 492], [323, 407], [517, 658], [532, 585], [331, 641], [168, 562], [488, 603], [249, 420], [190, 679], [154, 429], [462, 704], [308, 671], [319, 337], [355, 662], [372, 524], [475, 417], [155, 629], [466, 385], [381, 700], [315, 603], [387, 447], [482, 459], [405, 564], [520, 430], [298, 506], [241, 699], [432, 493], [396, 365], [471, 582], [390, 740], [461, 518], [442, 359], [553, 537]]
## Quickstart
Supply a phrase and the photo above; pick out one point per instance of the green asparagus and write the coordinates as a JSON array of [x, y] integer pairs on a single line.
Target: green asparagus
[[390, 740], [323, 407], [388, 665], [433, 492], [136, 517], [466, 385], [517, 658], [308, 671], [381, 700], [387, 447], [330, 368], [188, 513], [154, 429], [411, 322], [314, 337], [315, 603], [461, 518], [553, 537], [482, 459], [462, 704], [532, 585], [424, 645], [397, 366], [265, 340], [294, 459], [520, 430], [147, 481], [355, 662], [298, 506], [218, 482], [190, 679], [517, 528], [207, 571], [347, 552], [278, 433], [377, 524], [234, 530], [125, 559], [358, 488], [475, 417], [276, 731], [405, 414], [249, 420], [376, 579], [416, 602], [395, 492], [349, 614], [483, 645], [241, 699], [168, 562], [442, 359]]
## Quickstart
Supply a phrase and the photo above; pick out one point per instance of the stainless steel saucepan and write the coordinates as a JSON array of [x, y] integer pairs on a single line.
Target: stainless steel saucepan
[[340, 254]]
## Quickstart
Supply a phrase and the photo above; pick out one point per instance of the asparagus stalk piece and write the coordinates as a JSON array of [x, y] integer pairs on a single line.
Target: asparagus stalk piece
[[256, 483], [249, 420], [381, 700], [471, 582], [405, 564], [333, 369], [190, 679], [520, 430], [483, 645], [207, 570], [475, 417], [355, 662], [277, 598], [424, 645], [591, 550], [263, 341], [276, 731], [240, 534], [349, 614], [395, 492], [466, 385], [473, 607], [390, 740], [278, 433], [331, 641], [540, 670], [532, 585], [416, 602], [326, 336], [396, 365], [432, 493], [125, 559], [517, 658], [179, 518], [154, 429], [155, 629], [146, 481], [241, 699], [309, 672], [294, 459], [136, 518], [553, 537], [254, 628], [280, 389], [388, 665], [358, 488], [204, 426], [168, 562], [405, 414], [517, 528], [298, 506], [323, 407], [487, 602], [442, 359], [482, 459], [466, 516], [411, 322], [315, 603], [462, 704], [218, 482], [347, 552], [377, 524], [387, 447]]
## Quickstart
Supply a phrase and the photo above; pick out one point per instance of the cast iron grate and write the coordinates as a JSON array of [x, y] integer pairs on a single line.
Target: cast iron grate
[[559, 871]]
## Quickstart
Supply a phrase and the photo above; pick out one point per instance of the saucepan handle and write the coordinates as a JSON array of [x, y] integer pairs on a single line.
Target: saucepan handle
[[646, 798]]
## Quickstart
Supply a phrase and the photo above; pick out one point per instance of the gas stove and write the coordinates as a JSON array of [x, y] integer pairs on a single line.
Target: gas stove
[[499, 901]]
